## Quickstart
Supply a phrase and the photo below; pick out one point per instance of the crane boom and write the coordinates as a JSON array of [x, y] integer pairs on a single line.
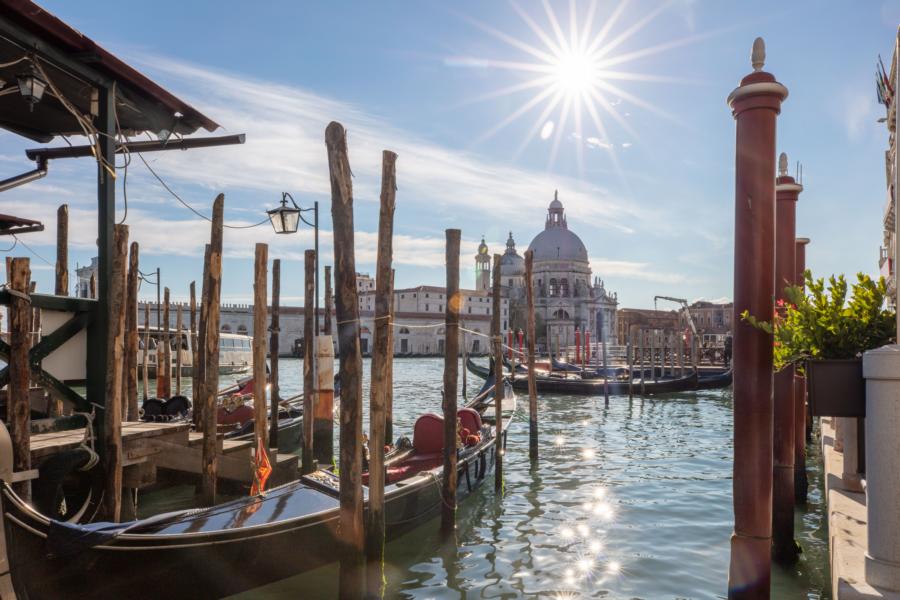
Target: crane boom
[[684, 308]]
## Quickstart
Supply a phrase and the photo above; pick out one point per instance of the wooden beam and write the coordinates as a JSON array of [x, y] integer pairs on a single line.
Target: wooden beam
[[381, 356], [260, 288], [112, 507], [273, 353], [451, 379], [498, 374], [18, 401], [308, 462], [532, 384], [212, 291], [352, 583], [130, 403], [62, 250]]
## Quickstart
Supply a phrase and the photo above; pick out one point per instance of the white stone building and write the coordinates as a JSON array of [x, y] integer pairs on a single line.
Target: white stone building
[[566, 294]]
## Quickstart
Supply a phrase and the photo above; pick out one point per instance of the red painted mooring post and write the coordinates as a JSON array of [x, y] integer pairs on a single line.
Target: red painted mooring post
[[801, 430], [577, 346], [755, 105], [784, 549]]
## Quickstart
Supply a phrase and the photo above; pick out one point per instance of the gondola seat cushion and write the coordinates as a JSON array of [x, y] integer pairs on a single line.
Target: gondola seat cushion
[[470, 420], [428, 434]]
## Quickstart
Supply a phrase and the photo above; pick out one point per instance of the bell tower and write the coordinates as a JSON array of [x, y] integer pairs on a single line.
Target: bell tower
[[483, 268]]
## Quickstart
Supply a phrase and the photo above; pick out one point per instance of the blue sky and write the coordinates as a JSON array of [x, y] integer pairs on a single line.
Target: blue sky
[[424, 79]]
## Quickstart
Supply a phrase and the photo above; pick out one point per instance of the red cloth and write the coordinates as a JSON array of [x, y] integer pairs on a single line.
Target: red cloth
[[240, 415], [262, 471], [428, 434]]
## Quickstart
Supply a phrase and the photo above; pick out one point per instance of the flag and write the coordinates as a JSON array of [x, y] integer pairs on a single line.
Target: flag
[[262, 470]]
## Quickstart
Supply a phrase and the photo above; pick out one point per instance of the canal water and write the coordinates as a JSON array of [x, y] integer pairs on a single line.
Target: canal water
[[630, 500]]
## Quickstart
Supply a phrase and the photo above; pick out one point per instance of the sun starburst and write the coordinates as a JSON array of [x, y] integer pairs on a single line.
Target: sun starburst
[[575, 82]]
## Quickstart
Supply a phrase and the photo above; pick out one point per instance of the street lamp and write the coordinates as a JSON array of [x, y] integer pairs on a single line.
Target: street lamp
[[31, 85], [286, 219]]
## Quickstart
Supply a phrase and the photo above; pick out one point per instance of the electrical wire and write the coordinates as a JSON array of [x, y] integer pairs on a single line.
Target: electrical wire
[[188, 206], [30, 249], [11, 248]]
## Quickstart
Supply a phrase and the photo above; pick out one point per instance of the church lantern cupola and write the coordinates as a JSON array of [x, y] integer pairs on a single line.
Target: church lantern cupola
[[483, 268]]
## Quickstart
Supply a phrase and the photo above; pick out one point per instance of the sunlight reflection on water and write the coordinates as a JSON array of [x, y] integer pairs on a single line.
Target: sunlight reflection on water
[[629, 501]]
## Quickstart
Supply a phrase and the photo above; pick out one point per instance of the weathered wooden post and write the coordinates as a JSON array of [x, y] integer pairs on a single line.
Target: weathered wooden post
[[179, 336], [112, 508], [308, 459], [532, 384], [605, 365], [785, 549], [145, 354], [18, 398], [92, 286], [329, 301], [679, 340], [498, 374], [260, 318], [199, 370], [212, 292], [630, 352], [129, 399], [389, 398], [62, 251], [166, 376], [755, 105], [193, 319], [381, 356], [274, 329], [801, 428], [451, 377], [347, 304], [643, 358]]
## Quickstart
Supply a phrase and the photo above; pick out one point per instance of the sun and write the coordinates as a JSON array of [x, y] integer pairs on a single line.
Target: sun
[[575, 73], [572, 77]]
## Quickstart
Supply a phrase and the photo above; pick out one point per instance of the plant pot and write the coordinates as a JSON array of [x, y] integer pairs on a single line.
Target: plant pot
[[836, 388]]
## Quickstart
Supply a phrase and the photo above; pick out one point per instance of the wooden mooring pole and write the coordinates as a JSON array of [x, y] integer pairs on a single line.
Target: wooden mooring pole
[[129, 399], [532, 384], [381, 356], [212, 293], [630, 350], [112, 508], [62, 251], [274, 330], [308, 459], [164, 365], [193, 321], [260, 318], [352, 582], [199, 370], [755, 105], [451, 378], [329, 302], [498, 375], [784, 548], [389, 398], [179, 337], [145, 354], [18, 399]]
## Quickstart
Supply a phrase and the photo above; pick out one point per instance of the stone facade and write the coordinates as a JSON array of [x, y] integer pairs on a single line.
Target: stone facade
[[566, 294]]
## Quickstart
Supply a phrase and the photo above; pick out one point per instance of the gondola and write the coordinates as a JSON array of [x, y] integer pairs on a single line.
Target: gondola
[[568, 383], [235, 546], [574, 384]]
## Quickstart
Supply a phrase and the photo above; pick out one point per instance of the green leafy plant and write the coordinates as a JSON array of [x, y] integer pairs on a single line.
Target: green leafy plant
[[821, 323]]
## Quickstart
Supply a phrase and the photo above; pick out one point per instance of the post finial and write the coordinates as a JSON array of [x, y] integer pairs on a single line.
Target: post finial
[[556, 194], [758, 54], [782, 165]]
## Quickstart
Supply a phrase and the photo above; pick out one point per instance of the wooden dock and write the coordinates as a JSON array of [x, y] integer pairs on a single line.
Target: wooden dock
[[147, 447]]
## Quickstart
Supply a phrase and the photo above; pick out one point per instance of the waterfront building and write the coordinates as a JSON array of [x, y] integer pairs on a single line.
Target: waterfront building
[[567, 296]]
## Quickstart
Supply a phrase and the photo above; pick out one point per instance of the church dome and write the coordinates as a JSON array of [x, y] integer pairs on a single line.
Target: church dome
[[511, 264], [556, 242]]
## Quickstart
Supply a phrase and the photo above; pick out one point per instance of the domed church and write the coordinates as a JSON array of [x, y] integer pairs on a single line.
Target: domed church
[[566, 295]]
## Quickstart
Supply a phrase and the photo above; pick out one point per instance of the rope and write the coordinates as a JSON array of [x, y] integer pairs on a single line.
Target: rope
[[188, 206], [30, 249]]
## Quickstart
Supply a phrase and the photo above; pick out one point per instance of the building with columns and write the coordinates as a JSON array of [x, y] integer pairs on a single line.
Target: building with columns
[[567, 295]]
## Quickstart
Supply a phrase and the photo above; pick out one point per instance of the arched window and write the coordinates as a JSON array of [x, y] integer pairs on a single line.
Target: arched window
[[226, 328], [404, 330], [554, 288], [564, 287], [560, 314], [242, 329]]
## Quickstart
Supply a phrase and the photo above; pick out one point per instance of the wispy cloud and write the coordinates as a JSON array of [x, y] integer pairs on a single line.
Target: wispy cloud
[[626, 269]]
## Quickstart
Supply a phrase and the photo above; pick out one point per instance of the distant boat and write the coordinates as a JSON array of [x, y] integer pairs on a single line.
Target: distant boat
[[235, 352]]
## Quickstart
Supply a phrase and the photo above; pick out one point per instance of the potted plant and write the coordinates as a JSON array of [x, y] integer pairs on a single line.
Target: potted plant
[[824, 334]]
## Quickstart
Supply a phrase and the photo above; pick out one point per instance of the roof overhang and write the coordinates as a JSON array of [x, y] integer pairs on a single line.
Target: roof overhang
[[77, 67], [10, 225]]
